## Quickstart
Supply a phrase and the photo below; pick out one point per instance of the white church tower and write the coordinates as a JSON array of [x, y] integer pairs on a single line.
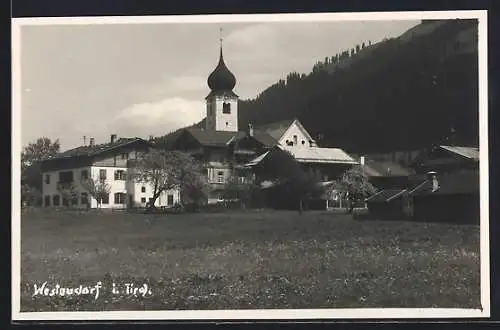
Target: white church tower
[[222, 102]]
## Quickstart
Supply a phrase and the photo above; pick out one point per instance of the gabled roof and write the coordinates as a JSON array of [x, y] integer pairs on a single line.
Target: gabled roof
[[97, 149], [467, 152], [212, 138], [375, 168], [319, 155], [264, 138], [276, 129], [311, 155]]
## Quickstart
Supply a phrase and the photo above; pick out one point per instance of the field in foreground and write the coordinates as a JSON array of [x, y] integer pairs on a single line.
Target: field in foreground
[[248, 260]]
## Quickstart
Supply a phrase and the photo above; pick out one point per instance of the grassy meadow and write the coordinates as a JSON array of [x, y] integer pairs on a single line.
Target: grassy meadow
[[246, 260]]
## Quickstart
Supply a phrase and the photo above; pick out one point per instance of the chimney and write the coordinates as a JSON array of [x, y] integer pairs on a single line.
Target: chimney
[[84, 140], [362, 160], [250, 129], [91, 142], [432, 176], [113, 138]]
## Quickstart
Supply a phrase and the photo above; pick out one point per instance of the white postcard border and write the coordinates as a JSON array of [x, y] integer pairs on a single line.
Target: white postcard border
[[288, 314]]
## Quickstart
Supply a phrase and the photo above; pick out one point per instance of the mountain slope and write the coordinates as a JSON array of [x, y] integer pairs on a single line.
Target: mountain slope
[[405, 93], [401, 93]]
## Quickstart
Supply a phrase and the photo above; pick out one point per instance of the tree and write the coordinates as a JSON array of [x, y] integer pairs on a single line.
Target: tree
[[30, 195], [240, 190], [96, 188], [166, 170], [68, 192], [31, 174], [363, 45], [357, 49], [39, 150], [289, 177], [354, 183]]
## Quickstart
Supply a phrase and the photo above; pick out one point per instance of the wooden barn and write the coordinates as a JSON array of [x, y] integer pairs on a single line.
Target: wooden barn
[[451, 197]]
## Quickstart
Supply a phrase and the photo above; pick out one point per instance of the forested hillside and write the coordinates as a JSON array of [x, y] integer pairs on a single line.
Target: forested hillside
[[401, 93]]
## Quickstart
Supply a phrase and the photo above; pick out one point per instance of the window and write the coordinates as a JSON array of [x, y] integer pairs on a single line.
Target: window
[[66, 177], [227, 123], [47, 200], [120, 198], [84, 199], [105, 199], [74, 200], [120, 175], [303, 142], [170, 200], [125, 156], [47, 178], [55, 200], [295, 139], [143, 199], [226, 108], [102, 174], [84, 175], [65, 201], [143, 189], [220, 177]]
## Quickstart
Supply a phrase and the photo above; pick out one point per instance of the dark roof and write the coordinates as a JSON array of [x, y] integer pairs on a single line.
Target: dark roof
[[265, 138], [464, 182], [385, 195], [376, 168], [276, 129], [96, 149], [212, 138], [221, 79]]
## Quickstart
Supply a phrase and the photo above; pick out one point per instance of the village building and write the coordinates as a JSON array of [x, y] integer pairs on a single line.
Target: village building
[[233, 153], [107, 163], [386, 174], [445, 187], [227, 152]]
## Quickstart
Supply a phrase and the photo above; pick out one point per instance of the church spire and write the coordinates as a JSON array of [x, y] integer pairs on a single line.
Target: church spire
[[220, 38], [221, 79]]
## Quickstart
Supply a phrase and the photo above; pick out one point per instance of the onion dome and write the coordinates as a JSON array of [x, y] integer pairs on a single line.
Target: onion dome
[[221, 79]]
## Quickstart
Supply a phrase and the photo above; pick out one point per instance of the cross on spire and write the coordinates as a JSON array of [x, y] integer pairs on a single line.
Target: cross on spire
[[220, 37]]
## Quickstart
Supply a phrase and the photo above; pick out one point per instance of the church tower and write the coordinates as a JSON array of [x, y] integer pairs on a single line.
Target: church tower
[[222, 102]]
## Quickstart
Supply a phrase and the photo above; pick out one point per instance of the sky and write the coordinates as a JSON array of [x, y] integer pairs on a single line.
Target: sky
[[142, 79]]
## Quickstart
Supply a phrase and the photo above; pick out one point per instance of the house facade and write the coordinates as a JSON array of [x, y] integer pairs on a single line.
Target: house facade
[[107, 165]]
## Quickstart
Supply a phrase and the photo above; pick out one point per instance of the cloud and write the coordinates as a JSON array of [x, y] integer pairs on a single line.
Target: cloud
[[157, 118]]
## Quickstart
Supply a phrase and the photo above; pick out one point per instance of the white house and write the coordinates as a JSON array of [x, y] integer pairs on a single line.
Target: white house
[[108, 163]]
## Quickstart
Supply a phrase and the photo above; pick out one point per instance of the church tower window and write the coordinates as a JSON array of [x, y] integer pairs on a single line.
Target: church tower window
[[226, 108]]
